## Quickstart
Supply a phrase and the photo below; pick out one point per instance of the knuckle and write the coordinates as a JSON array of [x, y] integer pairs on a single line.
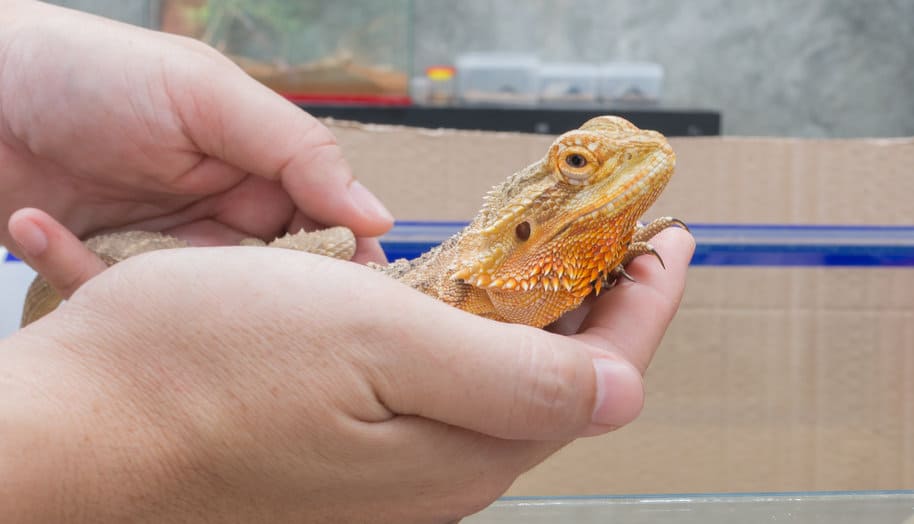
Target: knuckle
[[493, 487], [477, 496], [554, 397], [314, 135], [314, 146], [201, 48], [325, 149]]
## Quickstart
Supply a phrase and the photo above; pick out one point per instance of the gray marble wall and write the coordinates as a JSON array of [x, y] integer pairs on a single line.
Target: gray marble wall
[[819, 68], [813, 68]]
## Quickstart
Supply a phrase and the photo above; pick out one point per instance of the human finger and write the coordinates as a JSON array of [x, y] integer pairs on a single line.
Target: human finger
[[631, 318], [503, 380], [570, 322], [53, 251], [247, 125], [368, 249], [483, 465]]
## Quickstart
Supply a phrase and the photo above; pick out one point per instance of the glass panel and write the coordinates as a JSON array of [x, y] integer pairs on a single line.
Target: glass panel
[[356, 49], [824, 508]]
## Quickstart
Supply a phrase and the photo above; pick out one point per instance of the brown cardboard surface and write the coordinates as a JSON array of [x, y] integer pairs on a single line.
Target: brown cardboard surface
[[442, 174], [769, 379]]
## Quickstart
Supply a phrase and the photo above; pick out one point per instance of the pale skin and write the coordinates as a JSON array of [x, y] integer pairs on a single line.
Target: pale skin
[[189, 385]]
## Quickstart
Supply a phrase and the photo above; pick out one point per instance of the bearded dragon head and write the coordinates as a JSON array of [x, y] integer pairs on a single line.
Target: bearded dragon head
[[564, 222]]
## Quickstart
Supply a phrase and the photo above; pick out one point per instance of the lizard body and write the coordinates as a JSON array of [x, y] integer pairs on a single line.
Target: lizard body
[[545, 238]]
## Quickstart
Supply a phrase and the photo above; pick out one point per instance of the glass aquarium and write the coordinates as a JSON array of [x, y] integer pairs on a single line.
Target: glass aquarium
[[750, 508], [346, 50]]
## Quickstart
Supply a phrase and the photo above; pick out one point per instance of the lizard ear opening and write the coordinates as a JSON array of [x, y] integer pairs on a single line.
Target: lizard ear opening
[[522, 230]]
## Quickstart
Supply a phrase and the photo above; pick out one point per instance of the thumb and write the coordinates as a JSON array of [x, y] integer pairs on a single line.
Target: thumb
[[245, 124], [504, 380]]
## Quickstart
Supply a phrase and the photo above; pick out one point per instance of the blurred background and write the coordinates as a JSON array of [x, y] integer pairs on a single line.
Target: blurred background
[[814, 68], [789, 365]]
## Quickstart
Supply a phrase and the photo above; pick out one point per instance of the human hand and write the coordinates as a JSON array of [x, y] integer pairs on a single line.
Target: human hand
[[112, 127], [294, 391]]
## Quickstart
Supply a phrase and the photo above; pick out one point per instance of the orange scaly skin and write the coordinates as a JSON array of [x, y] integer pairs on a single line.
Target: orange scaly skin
[[546, 237], [554, 232]]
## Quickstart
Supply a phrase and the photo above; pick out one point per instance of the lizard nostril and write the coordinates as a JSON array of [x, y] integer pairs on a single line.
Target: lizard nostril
[[522, 230]]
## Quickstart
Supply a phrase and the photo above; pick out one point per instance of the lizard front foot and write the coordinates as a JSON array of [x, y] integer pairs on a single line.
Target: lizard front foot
[[640, 246], [646, 232]]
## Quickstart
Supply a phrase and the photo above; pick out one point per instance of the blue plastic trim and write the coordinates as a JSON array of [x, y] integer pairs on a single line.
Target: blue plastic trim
[[733, 244], [726, 244]]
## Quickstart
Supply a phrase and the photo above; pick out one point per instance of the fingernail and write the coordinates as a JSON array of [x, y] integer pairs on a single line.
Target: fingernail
[[365, 200], [620, 393], [30, 238]]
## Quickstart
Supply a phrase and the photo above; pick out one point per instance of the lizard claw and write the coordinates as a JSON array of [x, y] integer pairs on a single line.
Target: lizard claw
[[645, 232], [619, 271], [654, 252], [636, 249], [679, 223]]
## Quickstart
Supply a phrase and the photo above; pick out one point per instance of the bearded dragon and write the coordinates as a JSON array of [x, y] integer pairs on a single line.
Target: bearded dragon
[[547, 237]]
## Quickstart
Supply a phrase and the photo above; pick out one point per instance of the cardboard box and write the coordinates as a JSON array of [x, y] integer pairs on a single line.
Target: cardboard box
[[770, 378]]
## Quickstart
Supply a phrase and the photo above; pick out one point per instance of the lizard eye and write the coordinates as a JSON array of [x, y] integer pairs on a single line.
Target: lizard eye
[[576, 161], [576, 164]]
